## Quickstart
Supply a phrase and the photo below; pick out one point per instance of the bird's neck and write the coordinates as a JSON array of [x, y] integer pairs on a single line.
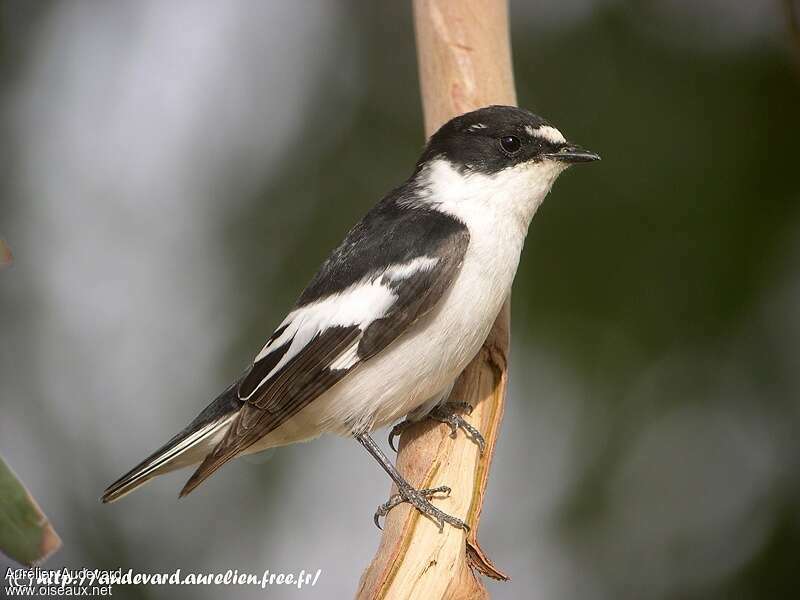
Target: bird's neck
[[505, 201]]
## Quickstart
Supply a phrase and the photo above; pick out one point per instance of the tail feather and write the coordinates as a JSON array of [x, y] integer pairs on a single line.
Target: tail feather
[[188, 447], [208, 467], [211, 463]]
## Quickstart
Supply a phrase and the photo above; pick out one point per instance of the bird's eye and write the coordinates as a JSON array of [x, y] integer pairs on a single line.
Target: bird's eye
[[510, 144]]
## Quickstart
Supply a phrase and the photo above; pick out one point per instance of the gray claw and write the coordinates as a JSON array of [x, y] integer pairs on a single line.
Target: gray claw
[[396, 431], [447, 413], [419, 500], [465, 406]]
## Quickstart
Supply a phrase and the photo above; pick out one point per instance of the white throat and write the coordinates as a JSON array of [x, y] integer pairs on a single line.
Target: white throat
[[510, 195]]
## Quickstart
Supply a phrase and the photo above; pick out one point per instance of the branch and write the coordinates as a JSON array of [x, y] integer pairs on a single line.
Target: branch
[[464, 57]]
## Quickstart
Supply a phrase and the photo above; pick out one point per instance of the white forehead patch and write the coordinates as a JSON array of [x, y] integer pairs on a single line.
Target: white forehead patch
[[551, 134], [476, 127]]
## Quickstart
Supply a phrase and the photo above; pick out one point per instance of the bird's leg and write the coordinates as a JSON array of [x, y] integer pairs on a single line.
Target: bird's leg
[[446, 412], [406, 492]]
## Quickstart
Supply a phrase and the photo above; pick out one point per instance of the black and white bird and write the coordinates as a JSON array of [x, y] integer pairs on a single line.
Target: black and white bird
[[395, 313]]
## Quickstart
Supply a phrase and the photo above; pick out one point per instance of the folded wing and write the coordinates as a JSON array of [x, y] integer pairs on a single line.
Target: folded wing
[[391, 269]]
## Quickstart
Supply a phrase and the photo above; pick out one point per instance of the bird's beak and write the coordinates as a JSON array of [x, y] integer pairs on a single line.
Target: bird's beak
[[572, 154]]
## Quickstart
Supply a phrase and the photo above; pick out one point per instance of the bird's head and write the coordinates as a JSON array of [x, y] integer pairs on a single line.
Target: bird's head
[[510, 154], [495, 138]]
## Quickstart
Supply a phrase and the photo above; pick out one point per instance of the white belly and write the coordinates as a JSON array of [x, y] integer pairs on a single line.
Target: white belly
[[425, 360]]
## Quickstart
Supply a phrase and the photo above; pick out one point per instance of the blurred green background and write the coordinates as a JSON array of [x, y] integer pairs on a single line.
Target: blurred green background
[[171, 174]]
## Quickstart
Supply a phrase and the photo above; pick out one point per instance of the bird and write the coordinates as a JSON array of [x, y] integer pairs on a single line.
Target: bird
[[396, 311]]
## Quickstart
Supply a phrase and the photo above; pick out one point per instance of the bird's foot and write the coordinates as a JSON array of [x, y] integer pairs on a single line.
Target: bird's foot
[[419, 500], [447, 413]]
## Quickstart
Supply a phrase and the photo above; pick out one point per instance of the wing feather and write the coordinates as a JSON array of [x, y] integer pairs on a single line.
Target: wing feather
[[334, 328]]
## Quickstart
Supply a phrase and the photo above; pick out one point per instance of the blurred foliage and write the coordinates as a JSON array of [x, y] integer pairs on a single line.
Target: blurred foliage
[[25, 533]]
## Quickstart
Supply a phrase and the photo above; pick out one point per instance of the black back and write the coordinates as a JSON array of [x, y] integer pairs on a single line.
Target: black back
[[397, 230]]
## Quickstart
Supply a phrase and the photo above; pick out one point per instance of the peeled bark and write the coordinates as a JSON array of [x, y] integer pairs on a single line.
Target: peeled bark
[[464, 56]]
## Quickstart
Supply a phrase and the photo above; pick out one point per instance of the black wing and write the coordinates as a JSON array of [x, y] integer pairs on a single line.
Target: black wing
[[395, 264]]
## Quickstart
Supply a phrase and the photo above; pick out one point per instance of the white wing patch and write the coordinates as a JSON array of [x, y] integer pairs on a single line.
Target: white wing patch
[[412, 267], [360, 304]]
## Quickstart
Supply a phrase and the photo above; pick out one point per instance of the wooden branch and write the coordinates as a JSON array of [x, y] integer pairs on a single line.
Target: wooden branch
[[464, 57]]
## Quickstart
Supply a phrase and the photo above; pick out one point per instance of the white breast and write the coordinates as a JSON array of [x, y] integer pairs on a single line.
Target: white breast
[[426, 359]]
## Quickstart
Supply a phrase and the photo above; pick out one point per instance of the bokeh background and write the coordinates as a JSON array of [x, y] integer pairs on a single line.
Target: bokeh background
[[171, 174]]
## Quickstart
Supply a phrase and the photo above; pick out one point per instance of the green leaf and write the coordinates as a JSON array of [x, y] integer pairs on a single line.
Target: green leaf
[[25, 533]]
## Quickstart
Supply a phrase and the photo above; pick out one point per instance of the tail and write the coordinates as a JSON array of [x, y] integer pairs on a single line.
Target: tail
[[188, 447]]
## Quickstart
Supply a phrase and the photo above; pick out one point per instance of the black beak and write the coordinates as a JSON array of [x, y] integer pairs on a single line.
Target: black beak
[[572, 154]]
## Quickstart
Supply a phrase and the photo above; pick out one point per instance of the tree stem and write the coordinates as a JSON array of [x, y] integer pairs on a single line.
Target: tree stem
[[464, 55]]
